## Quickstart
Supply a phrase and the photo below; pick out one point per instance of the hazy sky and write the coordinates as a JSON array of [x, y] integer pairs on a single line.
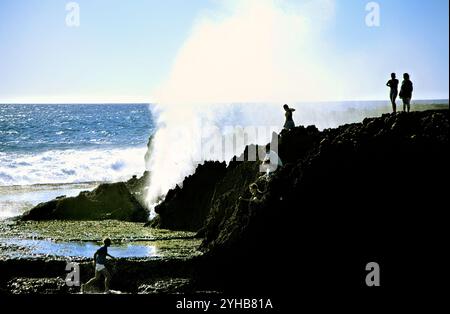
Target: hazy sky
[[136, 51]]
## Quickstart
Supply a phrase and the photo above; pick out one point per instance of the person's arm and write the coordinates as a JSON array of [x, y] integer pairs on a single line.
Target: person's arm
[[292, 109], [388, 83], [95, 259], [244, 199], [262, 192]]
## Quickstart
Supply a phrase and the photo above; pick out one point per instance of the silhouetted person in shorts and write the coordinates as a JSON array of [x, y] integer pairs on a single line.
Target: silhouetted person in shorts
[[289, 124], [100, 267], [393, 84], [406, 92]]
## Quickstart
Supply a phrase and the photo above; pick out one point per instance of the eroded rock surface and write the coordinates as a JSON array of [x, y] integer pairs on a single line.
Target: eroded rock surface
[[107, 201]]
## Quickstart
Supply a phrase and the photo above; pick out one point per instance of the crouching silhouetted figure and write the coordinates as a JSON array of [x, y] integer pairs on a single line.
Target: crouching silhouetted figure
[[256, 194], [406, 92], [393, 84]]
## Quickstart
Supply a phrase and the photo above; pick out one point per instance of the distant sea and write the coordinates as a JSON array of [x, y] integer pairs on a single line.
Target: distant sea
[[49, 150], [72, 143]]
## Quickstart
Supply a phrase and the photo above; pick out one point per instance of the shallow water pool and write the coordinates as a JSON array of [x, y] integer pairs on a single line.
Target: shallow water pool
[[29, 247], [83, 238]]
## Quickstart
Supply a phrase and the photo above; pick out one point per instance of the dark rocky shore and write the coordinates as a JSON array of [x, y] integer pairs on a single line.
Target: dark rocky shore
[[35, 276], [345, 197], [362, 192]]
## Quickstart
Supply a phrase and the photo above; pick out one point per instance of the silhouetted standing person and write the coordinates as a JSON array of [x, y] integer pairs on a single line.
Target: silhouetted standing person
[[393, 84], [289, 124], [406, 92]]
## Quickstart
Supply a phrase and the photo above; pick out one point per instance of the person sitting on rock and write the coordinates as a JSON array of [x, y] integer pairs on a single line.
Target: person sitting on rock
[[255, 194], [100, 267], [406, 92], [289, 124]]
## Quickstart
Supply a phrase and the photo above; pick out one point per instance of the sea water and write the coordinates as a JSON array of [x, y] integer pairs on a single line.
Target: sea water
[[52, 150], [45, 247]]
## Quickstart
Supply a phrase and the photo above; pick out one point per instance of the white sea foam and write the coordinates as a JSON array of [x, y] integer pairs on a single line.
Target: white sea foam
[[71, 166], [15, 200], [12, 208]]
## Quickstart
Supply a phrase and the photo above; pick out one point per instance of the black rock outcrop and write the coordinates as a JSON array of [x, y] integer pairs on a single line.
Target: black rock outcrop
[[345, 197], [107, 201], [187, 208]]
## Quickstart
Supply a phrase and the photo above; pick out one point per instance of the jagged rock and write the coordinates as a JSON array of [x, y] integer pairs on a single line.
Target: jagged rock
[[344, 197], [186, 208], [166, 286], [107, 201], [362, 191], [138, 187], [38, 286]]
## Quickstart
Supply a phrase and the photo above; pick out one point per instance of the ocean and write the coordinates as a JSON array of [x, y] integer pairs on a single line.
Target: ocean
[[51, 150]]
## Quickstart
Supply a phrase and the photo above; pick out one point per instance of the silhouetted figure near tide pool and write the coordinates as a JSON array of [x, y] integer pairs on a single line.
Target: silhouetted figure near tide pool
[[393, 84], [289, 124], [406, 92], [100, 267]]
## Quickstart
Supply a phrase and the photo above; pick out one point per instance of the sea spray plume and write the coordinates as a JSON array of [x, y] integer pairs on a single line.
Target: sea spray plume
[[247, 52], [253, 51], [172, 151], [197, 136]]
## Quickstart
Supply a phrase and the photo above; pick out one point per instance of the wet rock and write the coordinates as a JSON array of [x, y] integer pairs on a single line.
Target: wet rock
[[45, 275], [360, 191], [38, 286], [107, 201], [138, 187], [167, 286], [186, 208]]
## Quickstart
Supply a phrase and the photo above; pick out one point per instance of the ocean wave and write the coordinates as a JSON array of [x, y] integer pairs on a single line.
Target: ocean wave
[[71, 166], [12, 208]]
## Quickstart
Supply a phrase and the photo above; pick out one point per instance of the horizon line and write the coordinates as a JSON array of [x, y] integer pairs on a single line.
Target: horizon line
[[236, 102]]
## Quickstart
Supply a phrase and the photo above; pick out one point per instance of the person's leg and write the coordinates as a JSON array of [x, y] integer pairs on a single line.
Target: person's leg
[[409, 104], [88, 284], [391, 97], [291, 125], [107, 275], [406, 104], [394, 105]]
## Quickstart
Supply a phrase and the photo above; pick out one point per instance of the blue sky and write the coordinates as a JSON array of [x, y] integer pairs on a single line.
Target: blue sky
[[124, 50]]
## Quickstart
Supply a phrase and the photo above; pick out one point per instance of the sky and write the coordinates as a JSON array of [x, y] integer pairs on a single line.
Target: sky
[[220, 51]]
